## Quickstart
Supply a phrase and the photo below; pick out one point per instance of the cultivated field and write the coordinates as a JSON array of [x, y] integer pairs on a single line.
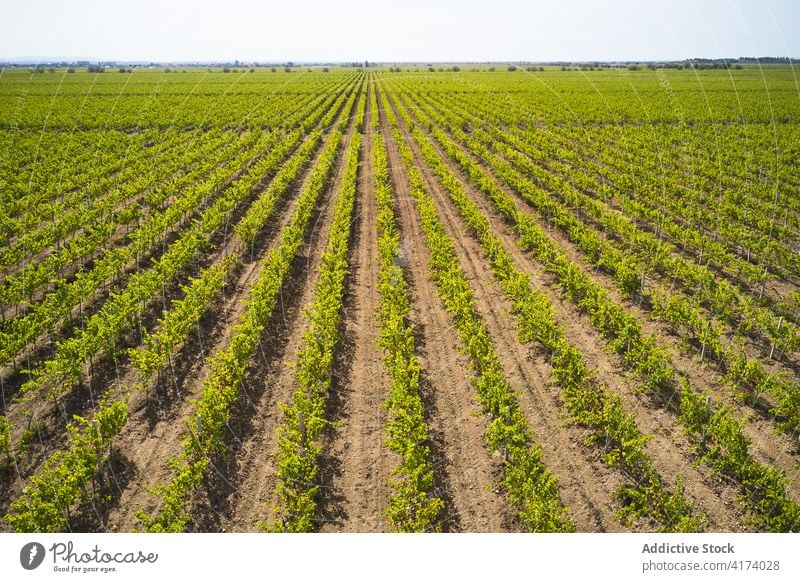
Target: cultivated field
[[363, 300]]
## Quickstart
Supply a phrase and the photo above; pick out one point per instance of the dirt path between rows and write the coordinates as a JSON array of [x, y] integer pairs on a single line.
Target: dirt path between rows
[[587, 486], [356, 463]]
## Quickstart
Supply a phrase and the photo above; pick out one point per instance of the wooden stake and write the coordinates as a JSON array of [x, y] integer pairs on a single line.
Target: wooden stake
[[763, 284], [703, 344]]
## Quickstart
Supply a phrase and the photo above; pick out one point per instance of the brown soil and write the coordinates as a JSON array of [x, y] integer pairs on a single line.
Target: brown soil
[[356, 463]]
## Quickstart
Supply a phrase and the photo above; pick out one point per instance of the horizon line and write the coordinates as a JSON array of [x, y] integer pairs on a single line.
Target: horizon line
[[28, 60]]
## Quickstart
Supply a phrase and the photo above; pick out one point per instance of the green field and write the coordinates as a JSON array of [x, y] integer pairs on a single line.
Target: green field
[[400, 299]]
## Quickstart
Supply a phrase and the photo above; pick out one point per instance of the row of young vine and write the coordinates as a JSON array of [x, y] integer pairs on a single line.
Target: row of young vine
[[717, 435], [530, 484]]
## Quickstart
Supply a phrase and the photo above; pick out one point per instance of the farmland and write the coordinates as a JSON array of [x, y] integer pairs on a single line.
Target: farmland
[[363, 300]]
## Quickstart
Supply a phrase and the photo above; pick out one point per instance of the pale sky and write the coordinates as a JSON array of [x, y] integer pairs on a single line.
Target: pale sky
[[404, 30]]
